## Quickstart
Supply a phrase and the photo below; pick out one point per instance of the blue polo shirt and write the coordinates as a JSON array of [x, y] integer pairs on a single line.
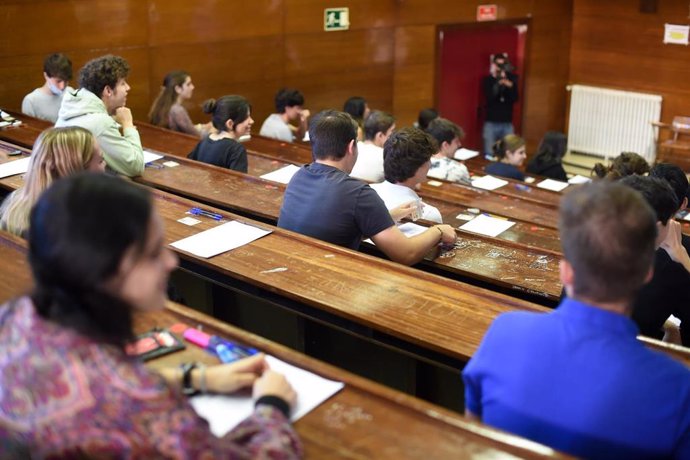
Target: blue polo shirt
[[579, 381], [324, 202], [504, 170]]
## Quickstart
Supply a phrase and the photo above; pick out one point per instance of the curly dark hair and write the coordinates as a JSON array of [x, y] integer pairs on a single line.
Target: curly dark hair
[[625, 164], [405, 152], [101, 72]]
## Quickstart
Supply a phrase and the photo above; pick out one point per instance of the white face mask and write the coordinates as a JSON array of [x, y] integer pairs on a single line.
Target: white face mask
[[54, 89]]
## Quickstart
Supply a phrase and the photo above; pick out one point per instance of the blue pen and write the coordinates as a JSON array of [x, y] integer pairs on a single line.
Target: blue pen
[[201, 212]]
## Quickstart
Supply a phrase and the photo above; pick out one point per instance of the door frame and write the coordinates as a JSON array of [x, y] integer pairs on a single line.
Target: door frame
[[441, 28]]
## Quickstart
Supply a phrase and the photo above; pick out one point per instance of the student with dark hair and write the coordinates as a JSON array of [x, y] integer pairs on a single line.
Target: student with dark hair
[[44, 102], [168, 110], [548, 161], [425, 117], [623, 165], [510, 153], [577, 379], [97, 254], [232, 120], [406, 161], [289, 108], [358, 109], [99, 106], [448, 136], [377, 129], [668, 292], [324, 202]]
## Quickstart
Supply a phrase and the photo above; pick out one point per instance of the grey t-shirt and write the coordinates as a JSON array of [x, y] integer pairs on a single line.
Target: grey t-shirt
[[276, 128], [41, 105]]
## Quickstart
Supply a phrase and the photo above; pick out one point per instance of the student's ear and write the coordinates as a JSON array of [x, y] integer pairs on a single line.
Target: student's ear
[[45, 75], [351, 147], [684, 204], [229, 124], [444, 146], [650, 275], [107, 91], [178, 89], [567, 275]]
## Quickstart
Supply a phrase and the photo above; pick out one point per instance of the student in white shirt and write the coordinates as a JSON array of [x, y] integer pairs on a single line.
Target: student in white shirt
[[377, 129], [44, 102], [289, 108], [448, 135], [407, 155]]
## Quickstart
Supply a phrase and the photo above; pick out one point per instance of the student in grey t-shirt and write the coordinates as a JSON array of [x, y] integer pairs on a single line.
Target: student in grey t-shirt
[[289, 104], [44, 102]]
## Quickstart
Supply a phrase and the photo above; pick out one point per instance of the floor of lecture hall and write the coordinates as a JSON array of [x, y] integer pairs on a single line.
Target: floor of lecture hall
[[578, 163]]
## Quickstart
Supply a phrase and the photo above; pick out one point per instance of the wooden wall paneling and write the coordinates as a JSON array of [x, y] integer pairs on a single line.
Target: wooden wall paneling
[[306, 16], [41, 28], [616, 46], [208, 21], [548, 66], [251, 67], [330, 91], [413, 79]]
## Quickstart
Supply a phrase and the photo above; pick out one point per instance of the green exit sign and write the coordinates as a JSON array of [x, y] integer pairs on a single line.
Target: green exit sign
[[336, 19]]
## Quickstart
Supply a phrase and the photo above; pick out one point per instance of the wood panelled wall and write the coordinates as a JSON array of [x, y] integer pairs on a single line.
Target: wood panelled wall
[[614, 45], [253, 48]]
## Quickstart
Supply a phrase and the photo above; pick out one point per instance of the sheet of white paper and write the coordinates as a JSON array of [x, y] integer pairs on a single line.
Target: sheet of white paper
[[223, 413], [485, 225], [489, 183], [282, 175], [15, 167], [410, 229], [220, 239], [465, 154], [687, 217], [553, 185], [149, 156], [578, 179]]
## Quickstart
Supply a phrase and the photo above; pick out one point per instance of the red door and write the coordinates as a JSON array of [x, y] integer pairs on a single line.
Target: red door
[[465, 54]]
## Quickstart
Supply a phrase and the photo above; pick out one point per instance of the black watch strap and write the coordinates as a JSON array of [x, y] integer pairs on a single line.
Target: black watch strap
[[187, 387]]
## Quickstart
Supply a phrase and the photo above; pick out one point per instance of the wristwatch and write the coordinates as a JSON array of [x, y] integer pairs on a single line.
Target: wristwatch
[[187, 387]]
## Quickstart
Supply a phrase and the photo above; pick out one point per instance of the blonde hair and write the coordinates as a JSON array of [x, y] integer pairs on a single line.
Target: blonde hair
[[509, 143], [57, 153]]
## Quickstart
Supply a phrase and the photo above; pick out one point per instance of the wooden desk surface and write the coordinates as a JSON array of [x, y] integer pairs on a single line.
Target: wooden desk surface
[[364, 420]]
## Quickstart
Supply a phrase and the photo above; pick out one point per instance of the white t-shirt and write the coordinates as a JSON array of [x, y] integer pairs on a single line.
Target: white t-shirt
[[393, 195], [448, 169], [41, 105], [369, 165], [274, 127]]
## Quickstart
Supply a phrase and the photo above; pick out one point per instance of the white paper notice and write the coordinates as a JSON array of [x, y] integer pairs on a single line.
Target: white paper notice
[[465, 154], [220, 239], [15, 167], [489, 183], [409, 229], [282, 175], [485, 225], [553, 185], [578, 179], [149, 156], [224, 412]]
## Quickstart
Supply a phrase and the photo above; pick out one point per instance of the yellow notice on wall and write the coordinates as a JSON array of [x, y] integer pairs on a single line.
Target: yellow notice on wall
[[676, 34]]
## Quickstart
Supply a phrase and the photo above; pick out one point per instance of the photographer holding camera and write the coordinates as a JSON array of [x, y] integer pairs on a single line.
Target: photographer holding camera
[[500, 91]]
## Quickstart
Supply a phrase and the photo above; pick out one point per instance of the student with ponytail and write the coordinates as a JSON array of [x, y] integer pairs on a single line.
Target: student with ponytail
[[510, 152], [231, 116]]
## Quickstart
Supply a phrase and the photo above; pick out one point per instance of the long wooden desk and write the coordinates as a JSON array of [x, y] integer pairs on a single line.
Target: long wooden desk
[[526, 269], [364, 420]]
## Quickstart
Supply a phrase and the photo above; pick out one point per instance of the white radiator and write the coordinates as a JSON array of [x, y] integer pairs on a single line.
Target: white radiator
[[605, 122]]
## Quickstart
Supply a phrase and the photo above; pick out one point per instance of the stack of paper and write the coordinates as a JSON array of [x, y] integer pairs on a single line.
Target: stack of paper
[[485, 225], [224, 412], [282, 175], [220, 239], [14, 167], [489, 183], [149, 156], [465, 154], [553, 185], [578, 179]]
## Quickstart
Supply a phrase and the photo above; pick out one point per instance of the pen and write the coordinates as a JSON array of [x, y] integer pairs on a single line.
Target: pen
[[154, 166], [14, 152], [201, 212]]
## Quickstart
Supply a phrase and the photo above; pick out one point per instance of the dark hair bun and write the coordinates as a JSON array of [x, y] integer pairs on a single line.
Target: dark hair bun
[[209, 106]]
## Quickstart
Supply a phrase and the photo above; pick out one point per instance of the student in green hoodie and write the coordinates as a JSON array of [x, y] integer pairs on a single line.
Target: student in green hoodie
[[99, 106]]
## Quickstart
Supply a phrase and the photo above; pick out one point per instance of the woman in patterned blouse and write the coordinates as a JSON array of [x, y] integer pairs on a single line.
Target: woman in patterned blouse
[[97, 253]]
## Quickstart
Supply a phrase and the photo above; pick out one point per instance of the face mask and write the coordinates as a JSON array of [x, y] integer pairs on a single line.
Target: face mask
[[54, 89]]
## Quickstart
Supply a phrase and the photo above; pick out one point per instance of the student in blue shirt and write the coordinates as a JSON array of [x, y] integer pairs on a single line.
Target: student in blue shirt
[[577, 379], [510, 152]]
